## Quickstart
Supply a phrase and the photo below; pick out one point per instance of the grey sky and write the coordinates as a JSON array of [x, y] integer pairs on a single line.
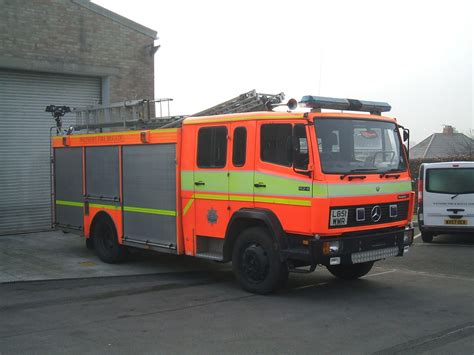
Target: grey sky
[[416, 55]]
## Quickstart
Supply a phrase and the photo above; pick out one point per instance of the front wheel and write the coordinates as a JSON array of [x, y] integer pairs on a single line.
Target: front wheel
[[350, 272], [256, 262]]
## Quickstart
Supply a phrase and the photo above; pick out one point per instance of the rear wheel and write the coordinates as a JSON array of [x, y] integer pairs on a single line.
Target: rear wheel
[[106, 242], [256, 262], [350, 272], [427, 237]]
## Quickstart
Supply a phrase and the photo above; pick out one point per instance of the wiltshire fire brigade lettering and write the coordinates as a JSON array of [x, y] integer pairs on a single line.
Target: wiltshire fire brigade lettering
[[101, 139]]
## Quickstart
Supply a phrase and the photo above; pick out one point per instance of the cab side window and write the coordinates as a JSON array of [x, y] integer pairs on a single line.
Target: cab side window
[[239, 148], [301, 157], [212, 147], [275, 143]]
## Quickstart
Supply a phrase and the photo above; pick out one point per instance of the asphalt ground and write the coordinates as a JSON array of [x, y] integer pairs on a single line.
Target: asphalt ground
[[420, 303]]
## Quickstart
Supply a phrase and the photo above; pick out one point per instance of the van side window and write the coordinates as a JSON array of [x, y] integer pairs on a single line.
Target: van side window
[[275, 143], [239, 148], [212, 147]]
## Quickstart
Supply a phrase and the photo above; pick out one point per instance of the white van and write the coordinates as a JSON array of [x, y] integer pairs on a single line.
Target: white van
[[445, 199]]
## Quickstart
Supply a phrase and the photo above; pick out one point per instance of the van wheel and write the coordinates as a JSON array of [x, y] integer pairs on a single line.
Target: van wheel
[[350, 272], [106, 243], [256, 262], [427, 237]]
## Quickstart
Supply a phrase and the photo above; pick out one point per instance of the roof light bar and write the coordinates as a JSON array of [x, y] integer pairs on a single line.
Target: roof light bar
[[316, 103]]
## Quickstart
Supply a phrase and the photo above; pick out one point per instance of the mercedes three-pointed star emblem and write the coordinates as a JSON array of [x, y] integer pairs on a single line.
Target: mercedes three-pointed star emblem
[[376, 214]]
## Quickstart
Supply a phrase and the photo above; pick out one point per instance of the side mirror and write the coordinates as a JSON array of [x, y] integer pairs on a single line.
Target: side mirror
[[406, 135], [300, 159]]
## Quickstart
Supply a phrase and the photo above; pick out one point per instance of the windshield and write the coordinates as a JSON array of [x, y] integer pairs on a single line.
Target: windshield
[[349, 146], [450, 181]]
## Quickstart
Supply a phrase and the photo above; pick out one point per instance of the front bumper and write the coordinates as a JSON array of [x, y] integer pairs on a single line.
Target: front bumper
[[354, 248]]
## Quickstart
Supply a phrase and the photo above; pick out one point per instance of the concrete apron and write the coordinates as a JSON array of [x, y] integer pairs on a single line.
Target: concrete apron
[[53, 255]]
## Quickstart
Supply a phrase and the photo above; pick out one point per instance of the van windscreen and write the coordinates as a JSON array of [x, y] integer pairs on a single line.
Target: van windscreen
[[450, 180]]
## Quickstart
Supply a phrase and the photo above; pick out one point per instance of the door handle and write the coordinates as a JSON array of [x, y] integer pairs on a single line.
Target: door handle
[[199, 183], [260, 184]]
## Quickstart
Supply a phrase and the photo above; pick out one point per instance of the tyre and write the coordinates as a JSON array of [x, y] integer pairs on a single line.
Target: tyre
[[256, 262], [90, 243], [106, 243], [350, 272], [427, 237]]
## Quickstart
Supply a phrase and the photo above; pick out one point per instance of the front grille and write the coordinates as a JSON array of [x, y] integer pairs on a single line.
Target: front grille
[[401, 214]]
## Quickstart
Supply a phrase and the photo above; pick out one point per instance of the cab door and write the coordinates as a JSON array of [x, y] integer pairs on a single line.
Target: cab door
[[278, 186], [211, 181], [242, 165]]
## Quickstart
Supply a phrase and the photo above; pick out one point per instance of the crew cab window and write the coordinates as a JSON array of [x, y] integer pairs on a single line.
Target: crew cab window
[[212, 147], [239, 148], [275, 143]]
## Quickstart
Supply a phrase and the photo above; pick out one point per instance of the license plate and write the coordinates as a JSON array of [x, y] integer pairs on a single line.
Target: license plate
[[339, 217], [455, 221]]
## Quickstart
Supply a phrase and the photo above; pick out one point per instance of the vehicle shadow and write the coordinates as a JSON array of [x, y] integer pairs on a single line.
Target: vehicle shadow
[[453, 239]]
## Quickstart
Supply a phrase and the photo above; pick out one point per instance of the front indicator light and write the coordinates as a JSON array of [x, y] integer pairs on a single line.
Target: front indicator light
[[408, 237], [331, 248]]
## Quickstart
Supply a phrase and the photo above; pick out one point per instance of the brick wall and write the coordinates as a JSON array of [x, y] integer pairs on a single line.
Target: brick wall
[[61, 31]]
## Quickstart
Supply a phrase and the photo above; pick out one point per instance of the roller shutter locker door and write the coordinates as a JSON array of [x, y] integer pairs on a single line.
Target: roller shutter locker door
[[25, 141]]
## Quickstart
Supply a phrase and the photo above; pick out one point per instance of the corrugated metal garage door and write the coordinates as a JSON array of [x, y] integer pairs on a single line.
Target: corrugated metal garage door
[[24, 141]]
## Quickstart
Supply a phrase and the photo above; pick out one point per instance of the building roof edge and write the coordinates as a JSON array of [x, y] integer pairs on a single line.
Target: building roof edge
[[116, 17]]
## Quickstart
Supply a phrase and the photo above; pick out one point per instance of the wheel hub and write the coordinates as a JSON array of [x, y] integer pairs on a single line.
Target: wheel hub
[[255, 263]]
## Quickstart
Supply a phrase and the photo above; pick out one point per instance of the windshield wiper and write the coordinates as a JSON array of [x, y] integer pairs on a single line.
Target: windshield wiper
[[361, 170], [453, 197], [388, 175]]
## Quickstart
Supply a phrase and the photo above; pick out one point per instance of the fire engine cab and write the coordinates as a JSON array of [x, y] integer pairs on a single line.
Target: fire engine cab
[[271, 192]]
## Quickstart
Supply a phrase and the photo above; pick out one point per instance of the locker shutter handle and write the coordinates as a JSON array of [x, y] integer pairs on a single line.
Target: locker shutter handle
[[199, 183], [260, 184]]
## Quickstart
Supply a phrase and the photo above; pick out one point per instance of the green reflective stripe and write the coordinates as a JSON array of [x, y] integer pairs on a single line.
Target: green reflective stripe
[[320, 190], [283, 201], [188, 205], [215, 181], [363, 189], [283, 186], [110, 207], [241, 198], [211, 197], [69, 203], [187, 180], [241, 182], [149, 210]]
